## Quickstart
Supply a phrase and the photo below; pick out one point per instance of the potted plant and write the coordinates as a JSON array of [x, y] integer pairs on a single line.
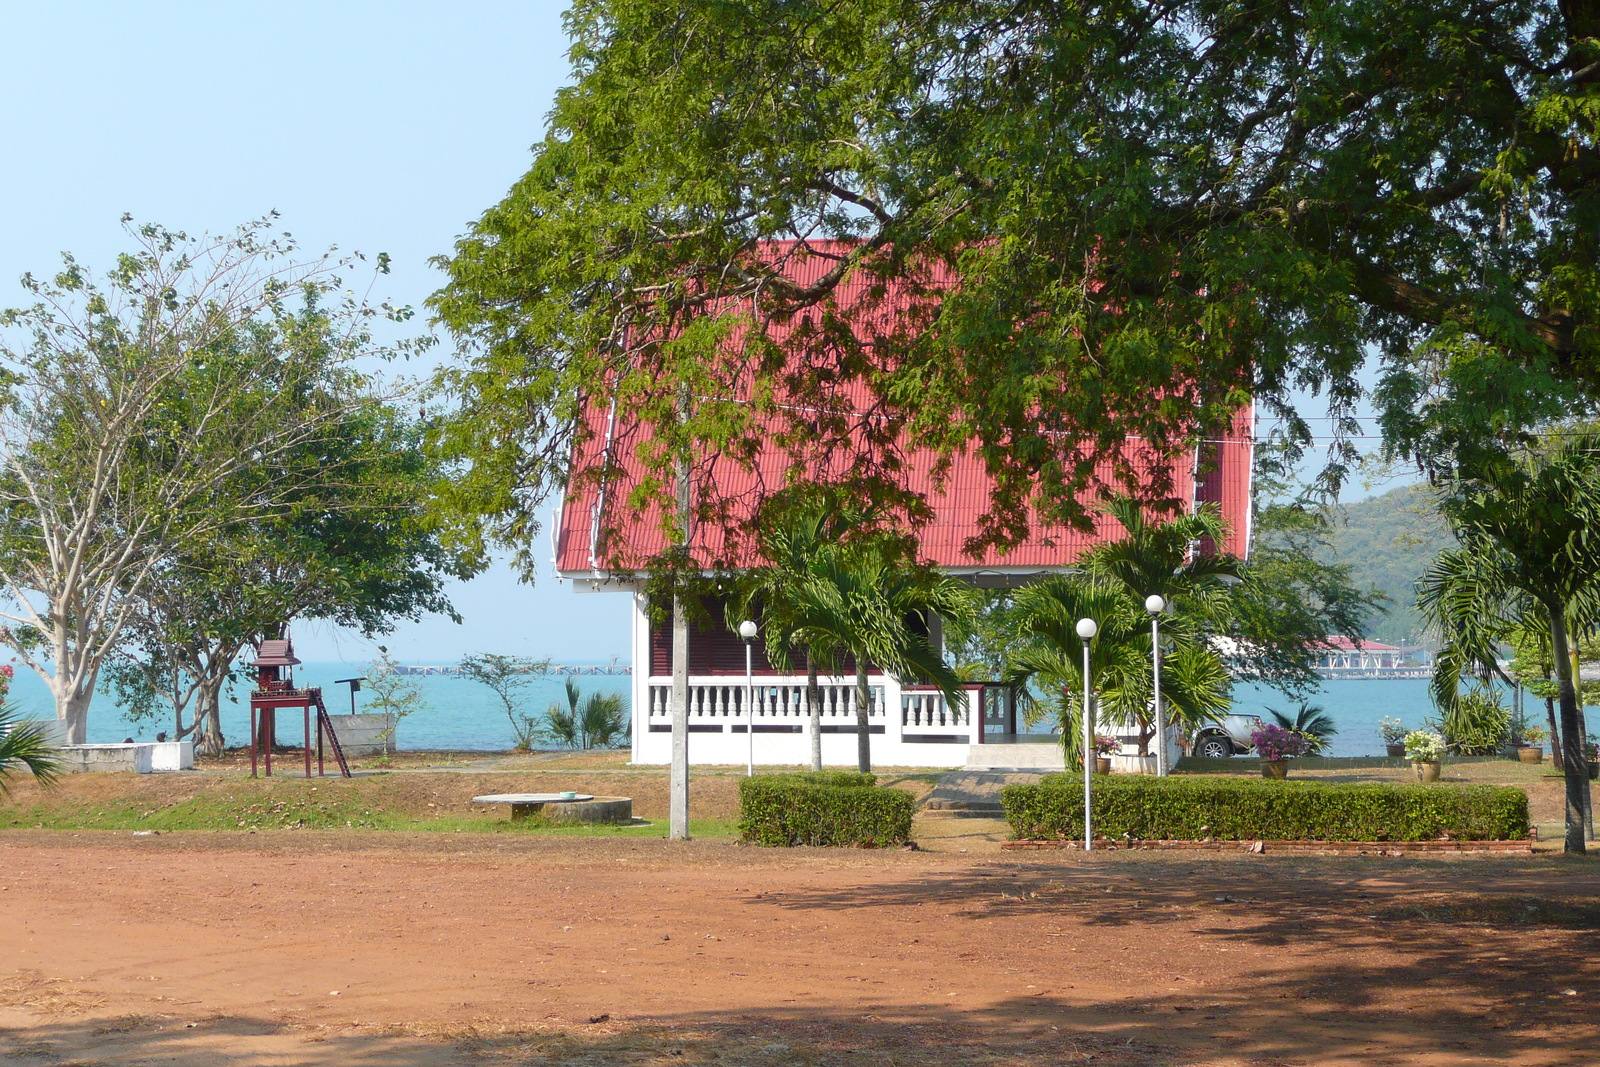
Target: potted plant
[[1393, 732], [1103, 748], [1531, 746], [1425, 750], [1276, 746]]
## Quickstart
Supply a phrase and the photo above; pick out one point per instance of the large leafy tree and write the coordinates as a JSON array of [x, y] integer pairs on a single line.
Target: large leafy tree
[[1154, 208], [141, 419], [356, 547]]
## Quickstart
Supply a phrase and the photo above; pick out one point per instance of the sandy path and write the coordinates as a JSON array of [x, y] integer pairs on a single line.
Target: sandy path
[[312, 948]]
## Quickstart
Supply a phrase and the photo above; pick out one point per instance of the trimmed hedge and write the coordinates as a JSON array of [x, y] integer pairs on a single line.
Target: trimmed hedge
[[823, 808], [1245, 809]]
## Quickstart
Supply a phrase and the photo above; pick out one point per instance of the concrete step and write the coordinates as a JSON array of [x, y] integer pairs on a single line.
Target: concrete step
[[963, 811], [1023, 757]]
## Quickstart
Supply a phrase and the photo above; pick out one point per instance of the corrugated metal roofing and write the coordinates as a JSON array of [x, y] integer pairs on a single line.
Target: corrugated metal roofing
[[736, 491]]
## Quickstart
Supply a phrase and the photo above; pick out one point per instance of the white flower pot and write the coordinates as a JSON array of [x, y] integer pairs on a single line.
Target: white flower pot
[[1133, 764]]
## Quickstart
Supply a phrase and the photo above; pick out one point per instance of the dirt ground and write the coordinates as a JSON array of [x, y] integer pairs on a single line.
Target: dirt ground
[[408, 949]]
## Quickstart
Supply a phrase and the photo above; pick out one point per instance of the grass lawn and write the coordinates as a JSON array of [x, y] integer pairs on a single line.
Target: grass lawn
[[425, 792]]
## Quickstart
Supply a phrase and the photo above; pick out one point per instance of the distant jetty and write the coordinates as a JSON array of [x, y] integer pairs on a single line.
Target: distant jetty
[[555, 668]]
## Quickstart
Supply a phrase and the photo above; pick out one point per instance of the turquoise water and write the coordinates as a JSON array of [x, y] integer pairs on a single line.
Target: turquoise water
[[460, 714], [1354, 705], [463, 714]]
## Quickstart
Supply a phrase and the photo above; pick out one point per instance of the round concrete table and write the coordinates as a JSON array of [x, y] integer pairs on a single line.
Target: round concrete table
[[525, 804]]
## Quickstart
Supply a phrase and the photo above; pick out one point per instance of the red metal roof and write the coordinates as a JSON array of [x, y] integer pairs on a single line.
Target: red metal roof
[[736, 490], [1340, 643]]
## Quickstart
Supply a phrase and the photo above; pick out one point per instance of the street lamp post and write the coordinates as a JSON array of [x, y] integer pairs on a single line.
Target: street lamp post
[[1154, 604], [1087, 628], [747, 630]]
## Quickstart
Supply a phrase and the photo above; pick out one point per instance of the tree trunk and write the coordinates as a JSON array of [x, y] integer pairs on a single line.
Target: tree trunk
[[1574, 758], [72, 707], [1555, 733], [814, 711], [863, 722], [678, 803], [208, 716], [1583, 738]]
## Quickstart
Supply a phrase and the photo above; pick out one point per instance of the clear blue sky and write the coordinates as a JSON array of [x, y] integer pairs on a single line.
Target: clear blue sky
[[380, 127]]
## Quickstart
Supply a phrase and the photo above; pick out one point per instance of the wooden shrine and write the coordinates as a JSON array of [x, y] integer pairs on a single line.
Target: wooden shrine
[[275, 691]]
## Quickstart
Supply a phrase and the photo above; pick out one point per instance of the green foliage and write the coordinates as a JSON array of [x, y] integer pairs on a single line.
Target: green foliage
[[1258, 809], [506, 677], [1311, 722], [24, 747], [842, 581], [1223, 198], [1477, 724], [599, 722], [1110, 587], [181, 429], [1527, 560], [827, 808]]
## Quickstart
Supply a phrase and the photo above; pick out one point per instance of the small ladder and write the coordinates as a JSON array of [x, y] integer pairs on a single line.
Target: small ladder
[[325, 726]]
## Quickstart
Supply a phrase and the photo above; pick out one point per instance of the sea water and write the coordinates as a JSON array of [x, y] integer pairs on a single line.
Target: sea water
[[1354, 704], [459, 713]]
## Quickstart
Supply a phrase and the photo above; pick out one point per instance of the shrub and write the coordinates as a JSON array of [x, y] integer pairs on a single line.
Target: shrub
[[1251, 809], [1424, 746], [1477, 725], [823, 808]]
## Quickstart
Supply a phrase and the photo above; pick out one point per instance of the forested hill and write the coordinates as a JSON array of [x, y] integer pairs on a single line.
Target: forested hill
[[1387, 541]]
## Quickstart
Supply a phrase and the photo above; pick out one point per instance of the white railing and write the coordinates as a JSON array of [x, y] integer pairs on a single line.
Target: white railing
[[720, 704], [723, 700], [924, 711]]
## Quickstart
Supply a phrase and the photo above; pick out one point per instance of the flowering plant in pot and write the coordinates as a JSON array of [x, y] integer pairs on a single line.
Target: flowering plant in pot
[[1104, 746], [1276, 746], [1393, 733], [1425, 750]]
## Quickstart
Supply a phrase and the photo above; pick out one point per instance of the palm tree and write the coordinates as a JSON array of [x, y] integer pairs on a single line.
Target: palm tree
[[1049, 656], [797, 528], [1526, 552], [859, 599], [842, 584], [25, 746], [1111, 586], [593, 723], [1312, 722]]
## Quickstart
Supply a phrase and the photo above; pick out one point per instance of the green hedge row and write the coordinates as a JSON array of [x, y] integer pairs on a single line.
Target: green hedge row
[[823, 808], [1244, 809]]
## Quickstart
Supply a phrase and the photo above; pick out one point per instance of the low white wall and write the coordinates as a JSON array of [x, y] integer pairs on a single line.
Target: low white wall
[[791, 749], [137, 758]]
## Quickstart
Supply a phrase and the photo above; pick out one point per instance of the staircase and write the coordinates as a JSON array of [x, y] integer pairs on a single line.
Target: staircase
[[965, 795], [325, 729]]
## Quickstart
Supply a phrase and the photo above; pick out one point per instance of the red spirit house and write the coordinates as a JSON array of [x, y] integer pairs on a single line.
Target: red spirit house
[[912, 725]]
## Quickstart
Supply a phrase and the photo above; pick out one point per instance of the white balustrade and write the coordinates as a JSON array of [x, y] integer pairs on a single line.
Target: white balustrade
[[775, 700], [927, 711]]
